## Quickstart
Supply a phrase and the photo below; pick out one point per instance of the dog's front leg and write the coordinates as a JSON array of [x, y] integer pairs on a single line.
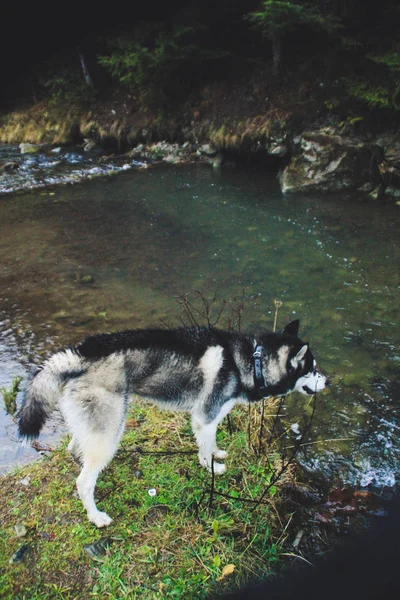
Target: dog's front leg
[[205, 433], [206, 441]]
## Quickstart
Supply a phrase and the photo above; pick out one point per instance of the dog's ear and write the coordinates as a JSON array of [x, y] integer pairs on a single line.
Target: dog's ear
[[292, 328], [301, 353]]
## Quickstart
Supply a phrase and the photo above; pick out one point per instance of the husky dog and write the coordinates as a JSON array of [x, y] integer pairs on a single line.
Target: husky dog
[[201, 370]]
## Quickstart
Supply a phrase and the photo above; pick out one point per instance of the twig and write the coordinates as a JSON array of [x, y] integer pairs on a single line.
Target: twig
[[261, 426], [285, 465], [238, 498], [278, 304], [161, 452], [297, 556], [212, 490], [281, 400], [323, 442], [249, 425], [228, 418]]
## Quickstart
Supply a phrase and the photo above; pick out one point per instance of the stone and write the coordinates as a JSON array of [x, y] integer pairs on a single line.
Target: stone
[[9, 167], [20, 530], [367, 187], [89, 145], [26, 148], [393, 191], [279, 150], [207, 150], [325, 162], [217, 161]]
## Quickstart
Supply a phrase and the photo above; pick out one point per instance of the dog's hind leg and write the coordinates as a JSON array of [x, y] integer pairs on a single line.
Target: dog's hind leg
[[94, 461], [95, 438], [73, 449], [205, 433]]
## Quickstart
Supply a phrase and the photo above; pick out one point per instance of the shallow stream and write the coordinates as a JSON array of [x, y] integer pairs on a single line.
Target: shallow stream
[[113, 253]]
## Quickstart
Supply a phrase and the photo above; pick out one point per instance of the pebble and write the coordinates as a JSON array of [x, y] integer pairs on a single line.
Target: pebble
[[20, 530]]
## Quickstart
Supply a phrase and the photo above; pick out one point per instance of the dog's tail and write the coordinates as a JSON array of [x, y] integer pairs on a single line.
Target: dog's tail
[[43, 391]]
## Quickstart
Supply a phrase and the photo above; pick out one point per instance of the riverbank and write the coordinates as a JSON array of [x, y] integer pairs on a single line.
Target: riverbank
[[280, 130], [168, 536], [174, 532]]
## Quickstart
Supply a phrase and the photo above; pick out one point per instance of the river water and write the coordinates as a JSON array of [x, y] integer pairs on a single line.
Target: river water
[[113, 253]]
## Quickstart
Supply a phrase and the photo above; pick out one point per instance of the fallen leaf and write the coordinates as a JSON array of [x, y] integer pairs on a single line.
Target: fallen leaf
[[227, 570]]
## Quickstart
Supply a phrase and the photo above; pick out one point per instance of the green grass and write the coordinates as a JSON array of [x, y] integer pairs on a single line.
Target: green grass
[[10, 395], [172, 545]]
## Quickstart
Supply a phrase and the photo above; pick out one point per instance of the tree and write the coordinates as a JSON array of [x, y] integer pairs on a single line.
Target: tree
[[277, 18]]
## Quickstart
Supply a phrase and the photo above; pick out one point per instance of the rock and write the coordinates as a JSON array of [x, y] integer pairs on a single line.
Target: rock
[[207, 150], [86, 279], [56, 150], [9, 167], [279, 150], [389, 167], [20, 554], [393, 191], [378, 192], [90, 144], [26, 148], [366, 188], [25, 481], [98, 549], [325, 162], [20, 530], [217, 161]]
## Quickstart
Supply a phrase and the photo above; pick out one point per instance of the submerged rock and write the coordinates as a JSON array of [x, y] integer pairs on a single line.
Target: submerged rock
[[9, 167]]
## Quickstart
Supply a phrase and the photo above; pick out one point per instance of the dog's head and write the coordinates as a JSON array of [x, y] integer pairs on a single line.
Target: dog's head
[[302, 366], [291, 365]]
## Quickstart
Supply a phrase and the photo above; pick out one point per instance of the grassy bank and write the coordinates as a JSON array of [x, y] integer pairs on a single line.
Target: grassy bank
[[183, 542]]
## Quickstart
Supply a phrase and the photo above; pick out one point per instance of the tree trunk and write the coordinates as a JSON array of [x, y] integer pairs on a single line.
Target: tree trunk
[[277, 52], [85, 70]]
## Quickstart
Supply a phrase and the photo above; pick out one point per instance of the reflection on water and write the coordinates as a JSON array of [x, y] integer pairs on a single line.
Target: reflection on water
[[112, 254]]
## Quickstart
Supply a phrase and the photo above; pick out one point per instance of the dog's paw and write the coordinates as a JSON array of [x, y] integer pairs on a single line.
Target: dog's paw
[[220, 454], [219, 468], [100, 519]]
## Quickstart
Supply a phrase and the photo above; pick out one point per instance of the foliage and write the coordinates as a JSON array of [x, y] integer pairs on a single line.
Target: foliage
[[374, 96], [346, 51], [153, 54], [279, 17], [10, 395], [383, 90], [67, 85]]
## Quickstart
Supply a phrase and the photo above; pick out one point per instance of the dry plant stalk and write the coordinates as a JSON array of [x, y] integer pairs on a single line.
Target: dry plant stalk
[[265, 429]]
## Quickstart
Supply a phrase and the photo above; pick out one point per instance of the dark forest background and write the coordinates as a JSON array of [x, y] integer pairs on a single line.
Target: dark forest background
[[350, 49]]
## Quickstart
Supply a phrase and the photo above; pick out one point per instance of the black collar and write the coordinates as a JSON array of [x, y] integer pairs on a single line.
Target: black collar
[[259, 381]]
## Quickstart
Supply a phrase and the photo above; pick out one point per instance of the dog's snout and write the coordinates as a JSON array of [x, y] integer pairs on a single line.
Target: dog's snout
[[327, 382]]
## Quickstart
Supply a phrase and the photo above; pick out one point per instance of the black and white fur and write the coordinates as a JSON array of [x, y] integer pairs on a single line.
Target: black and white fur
[[201, 370]]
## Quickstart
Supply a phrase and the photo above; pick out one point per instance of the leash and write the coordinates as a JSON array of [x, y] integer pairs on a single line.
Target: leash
[[259, 380]]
